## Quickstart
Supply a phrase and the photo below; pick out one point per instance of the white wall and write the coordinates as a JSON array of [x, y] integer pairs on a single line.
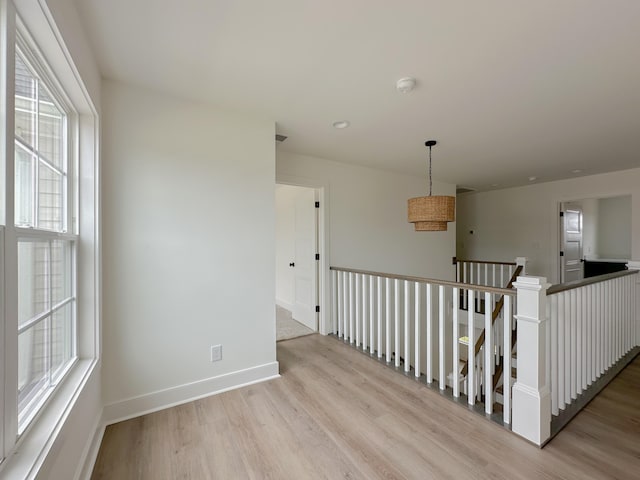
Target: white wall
[[523, 221], [285, 243], [614, 232], [188, 202], [590, 227], [368, 226]]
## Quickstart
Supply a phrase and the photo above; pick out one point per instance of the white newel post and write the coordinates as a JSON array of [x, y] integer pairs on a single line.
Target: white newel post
[[522, 261], [531, 399], [635, 265]]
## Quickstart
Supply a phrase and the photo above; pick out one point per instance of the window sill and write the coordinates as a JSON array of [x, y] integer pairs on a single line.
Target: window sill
[[33, 447]]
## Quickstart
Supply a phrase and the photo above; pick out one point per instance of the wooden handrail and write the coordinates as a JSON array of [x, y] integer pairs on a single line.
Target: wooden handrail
[[563, 287], [494, 316], [433, 281]]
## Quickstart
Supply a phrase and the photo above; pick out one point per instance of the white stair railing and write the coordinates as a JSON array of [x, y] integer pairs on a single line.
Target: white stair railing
[[592, 325], [487, 273], [415, 324], [569, 336]]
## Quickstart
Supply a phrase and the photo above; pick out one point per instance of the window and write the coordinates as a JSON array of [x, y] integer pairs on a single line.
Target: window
[[49, 255], [45, 248]]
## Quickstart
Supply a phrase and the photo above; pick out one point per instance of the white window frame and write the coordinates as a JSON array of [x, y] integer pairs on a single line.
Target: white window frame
[[26, 455], [45, 76], [28, 51]]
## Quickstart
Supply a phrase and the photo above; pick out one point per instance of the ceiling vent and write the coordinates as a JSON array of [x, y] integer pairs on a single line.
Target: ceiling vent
[[460, 190], [280, 138]]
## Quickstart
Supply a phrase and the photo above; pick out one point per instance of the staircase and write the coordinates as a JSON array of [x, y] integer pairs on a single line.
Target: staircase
[[500, 361]]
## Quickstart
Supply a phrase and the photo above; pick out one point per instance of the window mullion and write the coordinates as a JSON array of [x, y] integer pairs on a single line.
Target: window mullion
[[47, 329], [36, 145]]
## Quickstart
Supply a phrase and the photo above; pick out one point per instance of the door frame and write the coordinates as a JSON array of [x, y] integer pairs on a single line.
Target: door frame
[[562, 230], [323, 276], [556, 208]]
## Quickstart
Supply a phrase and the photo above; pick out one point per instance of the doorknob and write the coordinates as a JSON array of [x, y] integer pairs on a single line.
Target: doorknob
[[292, 264]]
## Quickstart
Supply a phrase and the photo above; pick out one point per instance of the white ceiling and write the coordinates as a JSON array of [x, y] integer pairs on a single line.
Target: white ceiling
[[509, 89]]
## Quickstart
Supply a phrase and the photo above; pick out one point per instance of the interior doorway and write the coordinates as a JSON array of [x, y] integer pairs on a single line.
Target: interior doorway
[[571, 253], [297, 265], [594, 236]]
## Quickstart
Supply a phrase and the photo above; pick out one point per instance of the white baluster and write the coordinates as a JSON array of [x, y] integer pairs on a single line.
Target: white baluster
[[578, 335], [465, 280], [397, 322], [345, 305], [502, 284], [471, 350], [619, 317], [339, 318], [371, 314], [379, 280], [429, 335], [567, 346], [601, 329], [334, 302], [488, 356], [358, 301], [585, 329], [572, 334], [606, 317], [365, 312], [623, 315], [561, 349], [616, 316], [352, 303], [594, 332], [627, 303], [456, 345], [407, 330], [388, 320], [506, 371], [441, 345], [589, 318], [416, 363], [553, 327]]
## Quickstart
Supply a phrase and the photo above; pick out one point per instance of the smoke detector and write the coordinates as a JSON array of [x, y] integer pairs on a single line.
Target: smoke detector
[[405, 85]]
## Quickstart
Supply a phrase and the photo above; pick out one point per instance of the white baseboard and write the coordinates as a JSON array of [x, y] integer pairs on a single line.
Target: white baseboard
[[90, 454], [152, 402], [285, 305]]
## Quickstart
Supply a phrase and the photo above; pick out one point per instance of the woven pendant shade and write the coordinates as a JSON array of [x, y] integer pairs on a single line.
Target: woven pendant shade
[[431, 214]]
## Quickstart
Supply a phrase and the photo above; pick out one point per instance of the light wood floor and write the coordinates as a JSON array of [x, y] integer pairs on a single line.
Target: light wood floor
[[337, 414]]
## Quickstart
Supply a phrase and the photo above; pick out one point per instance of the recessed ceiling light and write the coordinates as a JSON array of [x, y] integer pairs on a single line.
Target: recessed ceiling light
[[495, 184], [406, 84], [531, 179], [341, 124], [577, 170]]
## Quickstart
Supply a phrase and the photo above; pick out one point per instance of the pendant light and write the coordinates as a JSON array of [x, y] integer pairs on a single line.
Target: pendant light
[[431, 214]]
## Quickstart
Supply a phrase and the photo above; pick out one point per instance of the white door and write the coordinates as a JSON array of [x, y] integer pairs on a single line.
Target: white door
[[304, 287], [571, 265]]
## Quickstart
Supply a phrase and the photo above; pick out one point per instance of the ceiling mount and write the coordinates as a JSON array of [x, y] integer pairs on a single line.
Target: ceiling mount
[[406, 84], [430, 143]]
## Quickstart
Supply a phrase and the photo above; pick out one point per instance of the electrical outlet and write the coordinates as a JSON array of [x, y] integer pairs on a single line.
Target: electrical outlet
[[216, 353]]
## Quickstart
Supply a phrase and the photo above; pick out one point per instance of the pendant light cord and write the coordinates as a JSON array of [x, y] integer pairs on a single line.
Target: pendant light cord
[[430, 181]]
